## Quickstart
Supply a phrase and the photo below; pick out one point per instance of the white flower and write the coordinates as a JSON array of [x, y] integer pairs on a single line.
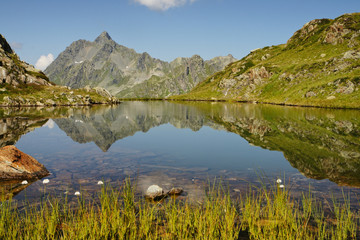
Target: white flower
[[66, 192], [77, 193], [278, 180], [24, 182], [100, 183], [45, 181], [281, 186]]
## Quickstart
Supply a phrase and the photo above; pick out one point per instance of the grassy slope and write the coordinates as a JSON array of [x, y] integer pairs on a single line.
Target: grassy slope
[[301, 66]]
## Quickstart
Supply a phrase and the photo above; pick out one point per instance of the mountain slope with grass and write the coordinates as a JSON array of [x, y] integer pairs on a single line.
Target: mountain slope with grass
[[318, 66], [126, 73]]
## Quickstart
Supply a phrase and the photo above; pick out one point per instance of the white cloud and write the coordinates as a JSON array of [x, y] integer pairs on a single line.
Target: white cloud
[[163, 5], [44, 61]]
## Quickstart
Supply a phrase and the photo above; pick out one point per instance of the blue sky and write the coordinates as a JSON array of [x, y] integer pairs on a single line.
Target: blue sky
[[166, 29]]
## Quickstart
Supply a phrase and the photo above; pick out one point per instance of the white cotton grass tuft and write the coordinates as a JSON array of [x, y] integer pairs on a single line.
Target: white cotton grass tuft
[[24, 182], [100, 182], [45, 181], [77, 193], [281, 186], [278, 181]]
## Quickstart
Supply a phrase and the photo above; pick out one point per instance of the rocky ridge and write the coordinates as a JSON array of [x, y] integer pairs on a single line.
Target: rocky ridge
[[126, 73]]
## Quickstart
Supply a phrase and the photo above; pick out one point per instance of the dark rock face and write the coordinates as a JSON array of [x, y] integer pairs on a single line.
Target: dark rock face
[[15, 164], [13, 71], [4, 45]]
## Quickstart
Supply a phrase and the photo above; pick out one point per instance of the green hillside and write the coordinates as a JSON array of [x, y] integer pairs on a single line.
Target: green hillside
[[318, 66]]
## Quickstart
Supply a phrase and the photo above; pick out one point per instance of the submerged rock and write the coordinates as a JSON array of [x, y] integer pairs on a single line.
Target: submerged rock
[[16, 165], [175, 191]]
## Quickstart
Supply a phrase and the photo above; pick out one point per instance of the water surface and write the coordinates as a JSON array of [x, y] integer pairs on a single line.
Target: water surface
[[186, 144]]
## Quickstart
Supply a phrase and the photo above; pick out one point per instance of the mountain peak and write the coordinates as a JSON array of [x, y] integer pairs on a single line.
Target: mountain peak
[[104, 36]]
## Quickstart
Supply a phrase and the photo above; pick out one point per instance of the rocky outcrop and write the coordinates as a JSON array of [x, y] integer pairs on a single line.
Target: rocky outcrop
[[13, 71], [247, 81], [126, 73], [309, 30], [344, 28], [15, 164]]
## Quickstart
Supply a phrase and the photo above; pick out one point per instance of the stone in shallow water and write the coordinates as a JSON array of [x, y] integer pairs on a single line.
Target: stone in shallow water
[[155, 192], [175, 191]]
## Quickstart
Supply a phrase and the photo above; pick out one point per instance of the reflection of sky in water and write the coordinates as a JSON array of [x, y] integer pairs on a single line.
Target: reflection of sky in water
[[206, 148]]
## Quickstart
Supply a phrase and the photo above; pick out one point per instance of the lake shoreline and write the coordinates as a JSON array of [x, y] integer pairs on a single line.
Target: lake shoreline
[[258, 102], [114, 101]]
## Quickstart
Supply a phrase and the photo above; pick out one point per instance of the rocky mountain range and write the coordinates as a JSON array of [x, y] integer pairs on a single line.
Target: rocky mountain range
[[318, 66], [126, 73]]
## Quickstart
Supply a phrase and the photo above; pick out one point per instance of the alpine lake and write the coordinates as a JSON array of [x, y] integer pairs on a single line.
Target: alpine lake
[[187, 145]]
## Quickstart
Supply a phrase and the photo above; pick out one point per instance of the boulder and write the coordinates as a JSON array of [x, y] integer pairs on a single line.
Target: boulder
[[352, 54], [154, 192], [16, 165], [103, 92], [310, 94]]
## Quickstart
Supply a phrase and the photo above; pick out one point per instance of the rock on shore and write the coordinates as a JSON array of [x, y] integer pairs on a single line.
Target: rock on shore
[[15, 164]]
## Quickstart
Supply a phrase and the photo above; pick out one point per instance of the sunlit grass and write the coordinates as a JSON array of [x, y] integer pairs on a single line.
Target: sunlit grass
[[260, 213]]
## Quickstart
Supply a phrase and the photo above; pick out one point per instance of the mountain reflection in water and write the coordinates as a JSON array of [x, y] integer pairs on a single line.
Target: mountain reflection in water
[[319, 143]]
